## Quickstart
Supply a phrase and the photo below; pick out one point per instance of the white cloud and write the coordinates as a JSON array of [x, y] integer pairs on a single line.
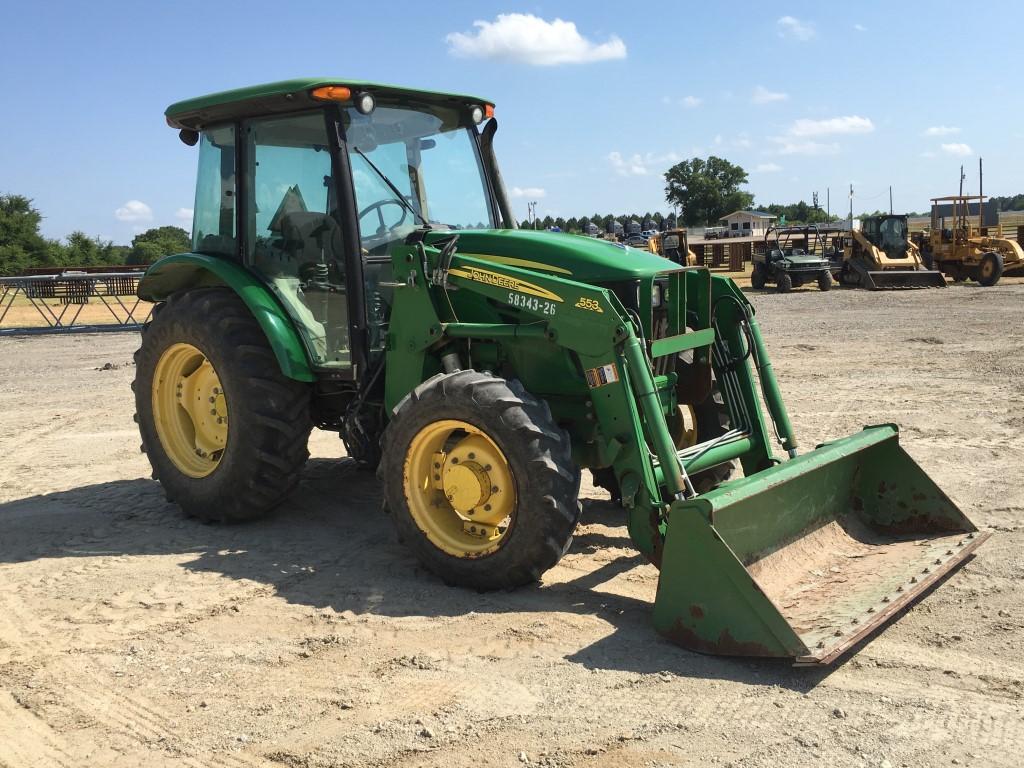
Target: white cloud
[[528, 192], [633, 166], [941, 130], [928, 153], [762, 95], [134, 210], [787, 26], [528, 39], [691, 101], [184, 214], [833, 125], [768, 168], [958, 150], [640, 165], [788, 146], [860, 28]]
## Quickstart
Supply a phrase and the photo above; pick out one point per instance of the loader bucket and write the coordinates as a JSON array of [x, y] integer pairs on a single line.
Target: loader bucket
[[903, 278], [808, 557]]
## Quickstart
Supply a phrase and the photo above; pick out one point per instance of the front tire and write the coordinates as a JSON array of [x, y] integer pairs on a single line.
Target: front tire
[[480, 481], [990, 269], [825, 281], [758, 278], [225, 431], [784, 284]]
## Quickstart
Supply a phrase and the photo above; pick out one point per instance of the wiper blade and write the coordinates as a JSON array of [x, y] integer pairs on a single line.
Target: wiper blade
[[394, 190]]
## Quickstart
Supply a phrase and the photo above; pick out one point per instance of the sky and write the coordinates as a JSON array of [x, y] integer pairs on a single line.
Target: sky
[[594, 100]]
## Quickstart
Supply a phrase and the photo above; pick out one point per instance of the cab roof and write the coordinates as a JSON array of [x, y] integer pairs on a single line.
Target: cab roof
[[288, 96]]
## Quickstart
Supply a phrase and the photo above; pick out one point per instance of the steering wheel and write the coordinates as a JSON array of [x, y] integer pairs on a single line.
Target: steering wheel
[[379, 207]]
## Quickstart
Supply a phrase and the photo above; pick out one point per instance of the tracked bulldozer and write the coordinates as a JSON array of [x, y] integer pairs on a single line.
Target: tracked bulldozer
[[881, 255], [356, 266]]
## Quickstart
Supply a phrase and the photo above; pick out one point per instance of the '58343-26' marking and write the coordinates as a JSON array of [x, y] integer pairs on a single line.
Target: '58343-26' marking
[[531, 303]]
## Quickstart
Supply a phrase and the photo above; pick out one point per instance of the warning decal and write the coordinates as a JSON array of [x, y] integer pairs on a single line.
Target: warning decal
[[604, 374]]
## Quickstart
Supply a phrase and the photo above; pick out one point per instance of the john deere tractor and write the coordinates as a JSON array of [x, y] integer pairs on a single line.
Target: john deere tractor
[[356, 267]]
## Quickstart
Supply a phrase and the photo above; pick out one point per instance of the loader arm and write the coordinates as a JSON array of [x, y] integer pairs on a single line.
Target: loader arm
[[627, 401], [799, 558]]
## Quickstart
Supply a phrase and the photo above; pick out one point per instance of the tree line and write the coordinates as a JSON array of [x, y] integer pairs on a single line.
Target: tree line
[[22, 246]]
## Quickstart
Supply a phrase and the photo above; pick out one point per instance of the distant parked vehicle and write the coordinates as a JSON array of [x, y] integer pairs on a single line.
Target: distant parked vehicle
[[636, 240], [714, 233]]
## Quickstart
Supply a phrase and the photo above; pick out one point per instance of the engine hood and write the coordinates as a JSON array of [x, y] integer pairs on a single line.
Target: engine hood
[[805, 260], [574, 257]]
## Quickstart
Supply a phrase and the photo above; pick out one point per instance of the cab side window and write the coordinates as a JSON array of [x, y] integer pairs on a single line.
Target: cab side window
[[294, 240], [213, 222]]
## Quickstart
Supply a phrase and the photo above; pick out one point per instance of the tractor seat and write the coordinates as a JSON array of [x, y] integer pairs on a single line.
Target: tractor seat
[[311, 237]]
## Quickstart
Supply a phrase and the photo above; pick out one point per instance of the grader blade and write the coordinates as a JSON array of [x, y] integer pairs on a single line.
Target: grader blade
[[805, 559], [903, 278]]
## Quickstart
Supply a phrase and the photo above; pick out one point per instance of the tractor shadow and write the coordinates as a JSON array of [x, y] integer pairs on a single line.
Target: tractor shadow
[[332, 546]]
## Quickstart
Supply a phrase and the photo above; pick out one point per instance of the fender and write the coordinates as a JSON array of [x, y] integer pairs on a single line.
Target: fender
[[193, 270]]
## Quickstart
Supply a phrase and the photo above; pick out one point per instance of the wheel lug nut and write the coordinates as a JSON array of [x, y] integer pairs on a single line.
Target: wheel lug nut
[[455, 461], [494, 489], [213, 399], [472, 455], [487, 468], [487, 507]]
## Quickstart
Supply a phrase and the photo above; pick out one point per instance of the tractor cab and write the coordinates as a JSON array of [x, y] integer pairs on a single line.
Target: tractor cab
[[312, 192], [888, 233]]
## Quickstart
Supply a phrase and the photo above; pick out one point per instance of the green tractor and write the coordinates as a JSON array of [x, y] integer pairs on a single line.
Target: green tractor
[[356, 267]]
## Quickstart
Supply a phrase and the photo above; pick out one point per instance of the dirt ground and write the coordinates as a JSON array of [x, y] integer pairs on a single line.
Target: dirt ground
[[131, 636]]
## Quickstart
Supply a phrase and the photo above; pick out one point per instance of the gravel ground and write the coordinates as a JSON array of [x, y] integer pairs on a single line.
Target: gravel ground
[[131, 636]]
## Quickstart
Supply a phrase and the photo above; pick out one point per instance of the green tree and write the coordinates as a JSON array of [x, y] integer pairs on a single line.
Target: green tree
[[706, 190], [159, 241], [21, 245]]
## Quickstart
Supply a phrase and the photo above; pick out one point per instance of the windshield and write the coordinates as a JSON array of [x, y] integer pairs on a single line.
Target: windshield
[[430, 156]]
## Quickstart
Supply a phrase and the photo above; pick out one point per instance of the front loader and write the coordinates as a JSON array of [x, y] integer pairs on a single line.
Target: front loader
[[356, 266]]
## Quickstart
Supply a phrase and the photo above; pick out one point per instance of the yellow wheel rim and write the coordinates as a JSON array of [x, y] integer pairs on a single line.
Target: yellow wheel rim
[[683, 427], [189, 410], [459, 488]]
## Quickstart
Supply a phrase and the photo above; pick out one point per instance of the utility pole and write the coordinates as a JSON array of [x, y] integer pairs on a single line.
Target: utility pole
[[981, 195], [890, 199], [828, 203], [851, 206], [532, 208], [962, 177]]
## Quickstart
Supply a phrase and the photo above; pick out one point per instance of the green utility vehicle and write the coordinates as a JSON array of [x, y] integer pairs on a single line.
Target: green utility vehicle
[[356, 267], [791, 257]]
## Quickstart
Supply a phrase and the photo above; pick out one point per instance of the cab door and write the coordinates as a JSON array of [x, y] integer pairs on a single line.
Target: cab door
[[294, 235]]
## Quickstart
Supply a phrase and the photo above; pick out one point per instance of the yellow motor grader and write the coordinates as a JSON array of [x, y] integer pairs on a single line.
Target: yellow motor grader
[[963, 250]]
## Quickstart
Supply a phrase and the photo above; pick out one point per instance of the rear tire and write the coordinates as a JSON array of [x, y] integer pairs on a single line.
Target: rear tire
[[784, 283], [266, 439], [990, 269], [539, 460], [825, 281]]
